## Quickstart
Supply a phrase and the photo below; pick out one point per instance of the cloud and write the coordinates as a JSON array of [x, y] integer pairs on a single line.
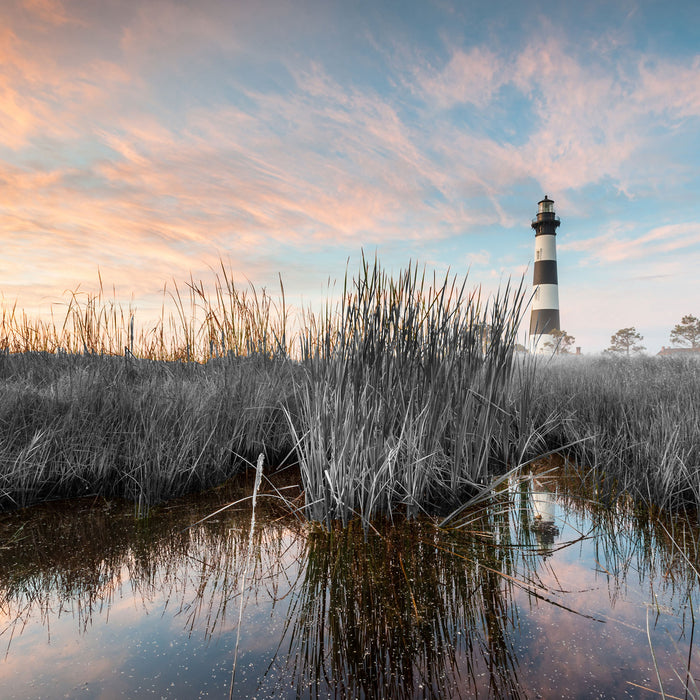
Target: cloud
[[168, 136], [611, 248], [51, 12], [468, 77], [482, 257], [669, 87], [45, 95], [163, 32], [592, 117]]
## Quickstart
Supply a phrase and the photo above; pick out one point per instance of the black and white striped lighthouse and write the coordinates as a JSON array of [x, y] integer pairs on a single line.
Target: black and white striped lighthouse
[[545, 303]]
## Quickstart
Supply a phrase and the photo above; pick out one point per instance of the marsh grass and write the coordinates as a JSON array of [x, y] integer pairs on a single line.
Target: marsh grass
[[93, 403], [634, 424], [78, 425], [401, 396], [410, 400], [405, 396]]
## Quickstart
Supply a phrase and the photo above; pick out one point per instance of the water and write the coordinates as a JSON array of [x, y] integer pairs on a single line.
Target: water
[[539, 595]]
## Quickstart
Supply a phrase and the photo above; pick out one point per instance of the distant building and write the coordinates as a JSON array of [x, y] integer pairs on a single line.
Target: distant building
[[679, 351]]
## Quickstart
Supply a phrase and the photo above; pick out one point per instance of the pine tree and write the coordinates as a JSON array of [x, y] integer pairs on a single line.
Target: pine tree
[[626, 341], [687, 332], [561, 343]]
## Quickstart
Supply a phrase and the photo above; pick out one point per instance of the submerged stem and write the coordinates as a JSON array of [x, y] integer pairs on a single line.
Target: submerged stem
[[258, 478]]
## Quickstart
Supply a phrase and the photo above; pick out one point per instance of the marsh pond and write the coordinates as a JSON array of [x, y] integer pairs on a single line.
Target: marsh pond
[[538, 593]]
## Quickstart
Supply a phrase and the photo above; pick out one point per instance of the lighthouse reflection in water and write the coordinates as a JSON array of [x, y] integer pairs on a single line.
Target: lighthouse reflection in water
[[543, 522]]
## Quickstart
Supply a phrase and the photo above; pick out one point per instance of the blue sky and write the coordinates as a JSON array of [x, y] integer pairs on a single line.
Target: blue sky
[[150, 140]]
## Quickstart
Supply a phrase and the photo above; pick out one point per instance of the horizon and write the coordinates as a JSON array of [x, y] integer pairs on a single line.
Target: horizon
[[144, 143]]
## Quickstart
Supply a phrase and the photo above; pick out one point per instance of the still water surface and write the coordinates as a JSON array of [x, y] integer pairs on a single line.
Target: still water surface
[[539, 595]]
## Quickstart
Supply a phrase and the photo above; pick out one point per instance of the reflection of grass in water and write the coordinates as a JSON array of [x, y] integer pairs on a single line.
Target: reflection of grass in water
[[84, 555], [410, 610], [635, 542], [630, 537], [403, 613]]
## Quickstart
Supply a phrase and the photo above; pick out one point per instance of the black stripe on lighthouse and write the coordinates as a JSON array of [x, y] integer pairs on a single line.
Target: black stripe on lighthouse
[[544, 321], [545, 272]]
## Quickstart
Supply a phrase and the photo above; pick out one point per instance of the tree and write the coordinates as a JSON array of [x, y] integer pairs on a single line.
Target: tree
[[561, 342], [626, 341], [687, 332]]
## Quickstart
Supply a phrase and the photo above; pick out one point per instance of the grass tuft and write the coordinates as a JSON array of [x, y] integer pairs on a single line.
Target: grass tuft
[[403, 397]]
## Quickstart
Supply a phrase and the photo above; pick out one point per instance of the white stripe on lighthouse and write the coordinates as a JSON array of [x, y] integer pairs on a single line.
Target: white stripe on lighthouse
[[546, 297], [545, 247]]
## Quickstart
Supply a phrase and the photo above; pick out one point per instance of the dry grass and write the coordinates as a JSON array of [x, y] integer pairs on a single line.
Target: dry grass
[[636, 424], [76, 425], [403, 397], [407, 405]]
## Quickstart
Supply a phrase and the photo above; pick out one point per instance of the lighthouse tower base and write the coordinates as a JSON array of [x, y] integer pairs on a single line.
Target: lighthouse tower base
[[543, 344]]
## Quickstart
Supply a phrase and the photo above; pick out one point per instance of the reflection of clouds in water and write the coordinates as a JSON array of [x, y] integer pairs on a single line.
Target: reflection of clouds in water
[[49, 655], [35, 668], [168, 613], [605, 579], [599, 654], [148, 636], [139, 608]]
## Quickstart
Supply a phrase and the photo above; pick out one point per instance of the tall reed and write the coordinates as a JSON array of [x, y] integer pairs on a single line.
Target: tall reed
[[408, 402], [197, 322]]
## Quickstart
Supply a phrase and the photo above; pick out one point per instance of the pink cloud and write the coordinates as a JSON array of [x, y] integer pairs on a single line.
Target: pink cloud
[[42, 94], [593, 119], [52, 12], [469, 77], [162, 31], [670, 87], [610, 248]]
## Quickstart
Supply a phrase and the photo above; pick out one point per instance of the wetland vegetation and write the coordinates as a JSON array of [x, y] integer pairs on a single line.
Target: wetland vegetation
[[407, 396], [399, 547]]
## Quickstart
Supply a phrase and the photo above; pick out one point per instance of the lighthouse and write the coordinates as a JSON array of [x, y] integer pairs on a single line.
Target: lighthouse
[[545, 303]]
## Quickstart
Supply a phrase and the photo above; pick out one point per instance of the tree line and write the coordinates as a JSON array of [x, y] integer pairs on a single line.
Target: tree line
[[628, 341]]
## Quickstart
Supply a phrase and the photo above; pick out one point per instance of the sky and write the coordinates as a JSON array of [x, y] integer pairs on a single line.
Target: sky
[[147, 142]]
